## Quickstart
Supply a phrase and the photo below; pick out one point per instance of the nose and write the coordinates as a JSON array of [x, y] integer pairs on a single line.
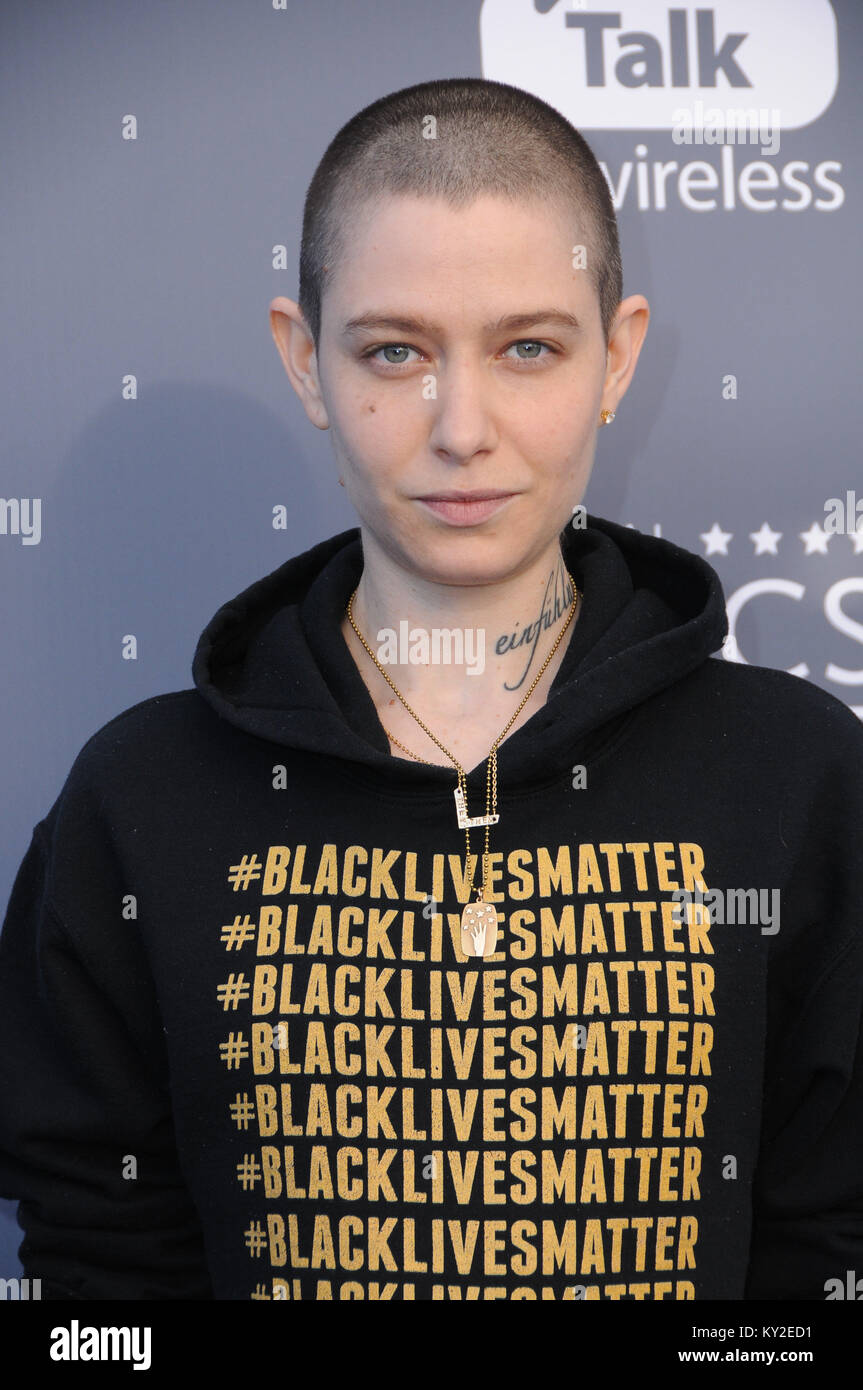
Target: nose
[[461, 403]]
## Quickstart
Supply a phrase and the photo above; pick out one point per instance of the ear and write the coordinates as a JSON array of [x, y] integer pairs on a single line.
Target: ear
[[624, 344], [296, 348]]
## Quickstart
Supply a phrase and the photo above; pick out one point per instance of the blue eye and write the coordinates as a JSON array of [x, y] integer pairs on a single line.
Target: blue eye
[[404, 348], [390, 347], [396, 347], [533, 343]]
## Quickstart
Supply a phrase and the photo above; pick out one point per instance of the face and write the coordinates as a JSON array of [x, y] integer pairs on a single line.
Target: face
[[459, 379]]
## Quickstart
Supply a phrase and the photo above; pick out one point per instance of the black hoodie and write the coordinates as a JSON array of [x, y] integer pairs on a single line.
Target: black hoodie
[[244, 1055]]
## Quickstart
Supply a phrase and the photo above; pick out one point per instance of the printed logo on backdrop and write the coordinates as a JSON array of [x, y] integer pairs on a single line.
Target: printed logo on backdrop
[[725, 78], [818, 555]]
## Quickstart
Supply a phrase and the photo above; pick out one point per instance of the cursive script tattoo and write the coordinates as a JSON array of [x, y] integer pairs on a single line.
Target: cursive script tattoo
[[555, 601]]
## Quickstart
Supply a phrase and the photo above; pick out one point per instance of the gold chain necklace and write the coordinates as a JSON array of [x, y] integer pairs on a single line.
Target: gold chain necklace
[[479, 918]]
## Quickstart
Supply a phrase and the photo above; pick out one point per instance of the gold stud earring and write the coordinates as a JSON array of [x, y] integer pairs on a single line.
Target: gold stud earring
[[606, 416], [342, 481]]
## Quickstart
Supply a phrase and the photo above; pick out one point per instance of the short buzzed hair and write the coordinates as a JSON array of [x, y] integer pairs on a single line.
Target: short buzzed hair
[[491, 138]]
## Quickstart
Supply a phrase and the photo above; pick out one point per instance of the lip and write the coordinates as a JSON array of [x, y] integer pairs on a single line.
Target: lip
[[454, 495], [466, 508]]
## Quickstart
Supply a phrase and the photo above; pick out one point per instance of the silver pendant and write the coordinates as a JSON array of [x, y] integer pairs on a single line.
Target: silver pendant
[[465, 821]]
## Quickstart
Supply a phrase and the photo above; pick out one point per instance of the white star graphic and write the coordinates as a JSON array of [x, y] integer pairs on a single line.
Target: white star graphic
[[857, 540], [766, 541], [815, 539], [716, 540]]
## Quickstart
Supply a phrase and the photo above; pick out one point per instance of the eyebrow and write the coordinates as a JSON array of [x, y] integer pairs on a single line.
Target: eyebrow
[[510, 323]]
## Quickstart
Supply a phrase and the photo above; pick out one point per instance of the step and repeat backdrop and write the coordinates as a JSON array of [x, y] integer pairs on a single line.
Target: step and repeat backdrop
[[156, 159]]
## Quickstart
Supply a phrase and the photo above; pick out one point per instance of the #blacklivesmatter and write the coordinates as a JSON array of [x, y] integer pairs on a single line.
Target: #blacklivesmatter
[[356, 871]]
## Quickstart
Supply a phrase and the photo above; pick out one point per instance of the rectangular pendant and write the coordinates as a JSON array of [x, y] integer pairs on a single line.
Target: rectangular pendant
[[479, 929]]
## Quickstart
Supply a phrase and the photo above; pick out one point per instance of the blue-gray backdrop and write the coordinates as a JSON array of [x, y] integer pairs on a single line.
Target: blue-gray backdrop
[[155, 163]]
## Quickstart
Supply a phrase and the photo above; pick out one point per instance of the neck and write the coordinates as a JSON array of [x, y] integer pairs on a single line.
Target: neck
[[497, 635]]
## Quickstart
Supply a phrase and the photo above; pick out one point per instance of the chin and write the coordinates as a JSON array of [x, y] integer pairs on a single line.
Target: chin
[[460, 555], [467, 563]]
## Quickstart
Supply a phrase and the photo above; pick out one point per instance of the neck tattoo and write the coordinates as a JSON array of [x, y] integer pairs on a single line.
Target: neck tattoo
[[555, 601]]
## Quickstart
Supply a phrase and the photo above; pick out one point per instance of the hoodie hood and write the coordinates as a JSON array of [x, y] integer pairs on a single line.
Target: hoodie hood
[[273, 661]]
